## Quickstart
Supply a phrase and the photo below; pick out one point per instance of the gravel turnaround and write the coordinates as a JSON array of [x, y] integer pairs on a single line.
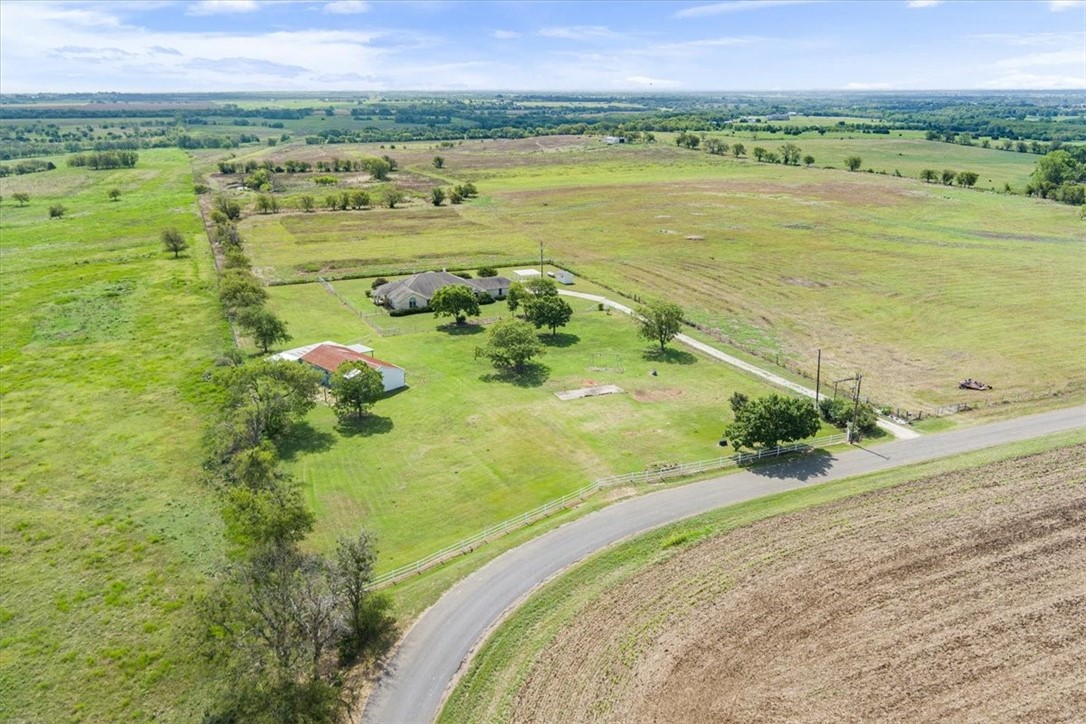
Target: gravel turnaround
[[432, 653]]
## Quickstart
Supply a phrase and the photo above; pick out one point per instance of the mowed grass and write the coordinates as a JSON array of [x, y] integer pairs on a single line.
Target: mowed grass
[[105, 530], [916, 285], [461, 449], [492, 682]]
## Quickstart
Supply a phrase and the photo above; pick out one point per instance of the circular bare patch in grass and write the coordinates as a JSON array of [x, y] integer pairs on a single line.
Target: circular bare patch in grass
[[658, 394]]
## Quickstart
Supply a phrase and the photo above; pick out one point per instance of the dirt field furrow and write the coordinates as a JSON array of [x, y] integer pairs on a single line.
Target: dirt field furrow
[[960, 597]]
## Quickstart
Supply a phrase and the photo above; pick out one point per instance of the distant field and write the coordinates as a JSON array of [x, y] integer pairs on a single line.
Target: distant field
[[105, 530], [459, 451], [948, 588], [917, 285]]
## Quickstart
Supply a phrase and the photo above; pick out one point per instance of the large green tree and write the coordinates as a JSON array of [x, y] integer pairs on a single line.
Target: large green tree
[[549, 311], [456, 301], [356, 386], [510, 344], [660, 322], [768, 421], [263, 326]]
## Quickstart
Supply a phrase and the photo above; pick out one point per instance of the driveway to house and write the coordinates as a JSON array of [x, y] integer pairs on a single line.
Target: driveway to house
[[899, 431], [438, 647]]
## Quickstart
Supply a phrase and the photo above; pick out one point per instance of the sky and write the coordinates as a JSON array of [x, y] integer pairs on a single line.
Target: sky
[[361, 45]]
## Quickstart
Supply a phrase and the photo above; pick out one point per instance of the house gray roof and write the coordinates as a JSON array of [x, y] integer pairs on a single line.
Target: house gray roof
[[485, 284], [424, 285]]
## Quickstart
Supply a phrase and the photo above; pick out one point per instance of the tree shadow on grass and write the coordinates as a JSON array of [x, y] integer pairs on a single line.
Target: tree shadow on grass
[[364, 426], [457, 330], [802, 466], [534, 375], [562, 339], [669, 355], [304, 438]]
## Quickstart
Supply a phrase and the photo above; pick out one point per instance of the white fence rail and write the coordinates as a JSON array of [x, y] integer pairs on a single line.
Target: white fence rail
[[655, 475]]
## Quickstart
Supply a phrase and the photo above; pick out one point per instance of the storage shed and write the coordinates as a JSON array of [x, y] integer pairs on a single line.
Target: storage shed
[[523, 275]]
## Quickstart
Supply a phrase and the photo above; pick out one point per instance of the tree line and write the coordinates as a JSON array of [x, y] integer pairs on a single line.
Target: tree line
[[105, 159], [280, 624]]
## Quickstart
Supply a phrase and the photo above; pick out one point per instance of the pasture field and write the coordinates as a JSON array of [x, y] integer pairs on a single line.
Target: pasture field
[[826, 602], [462, 449], [917, 285], [105, 530]]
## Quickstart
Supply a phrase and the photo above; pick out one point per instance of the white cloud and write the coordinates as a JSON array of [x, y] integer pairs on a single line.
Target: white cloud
[[736, 6], [1076, 39], [868, 86], [646, 82], [1059, 57], [923, 3], [222, 7], [1058, 6], [1031, 81], [504, 34], [347, 7], [579, 32]]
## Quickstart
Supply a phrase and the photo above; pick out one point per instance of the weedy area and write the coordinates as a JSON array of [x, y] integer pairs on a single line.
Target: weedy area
[[105, 530]]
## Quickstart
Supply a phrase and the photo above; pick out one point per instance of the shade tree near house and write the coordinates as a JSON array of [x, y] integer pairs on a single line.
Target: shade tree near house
[[549, 311], [517, 297], [771, 420], [510, 345], [660, 321], [455, 300], [357, 386]]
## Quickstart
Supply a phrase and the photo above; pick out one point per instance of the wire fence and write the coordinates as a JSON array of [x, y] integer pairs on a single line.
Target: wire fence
[[654, 475], [367, 317]]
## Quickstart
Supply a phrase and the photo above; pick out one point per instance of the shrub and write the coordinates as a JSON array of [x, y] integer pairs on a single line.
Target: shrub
[[406, 312]]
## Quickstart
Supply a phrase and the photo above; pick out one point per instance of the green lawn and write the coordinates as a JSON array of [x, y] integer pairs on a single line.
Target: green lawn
[[105, 530], [460, 450]]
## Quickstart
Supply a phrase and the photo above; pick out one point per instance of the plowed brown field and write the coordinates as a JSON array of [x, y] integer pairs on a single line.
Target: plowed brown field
[[955, 597]]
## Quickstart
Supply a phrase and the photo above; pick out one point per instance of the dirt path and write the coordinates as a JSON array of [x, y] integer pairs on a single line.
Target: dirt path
[[899, 431], [955, 597]]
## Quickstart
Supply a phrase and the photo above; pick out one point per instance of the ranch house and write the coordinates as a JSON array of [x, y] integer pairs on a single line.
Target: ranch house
[[416, 291], [329, 357]]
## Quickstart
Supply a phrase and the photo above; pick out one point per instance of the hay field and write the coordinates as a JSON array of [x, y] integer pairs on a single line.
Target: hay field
[[914, 284], [106, 531], [954, 596]]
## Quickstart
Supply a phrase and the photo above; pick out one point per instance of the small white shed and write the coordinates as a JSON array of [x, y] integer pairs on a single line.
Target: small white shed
[[523, 275], [563, 276]]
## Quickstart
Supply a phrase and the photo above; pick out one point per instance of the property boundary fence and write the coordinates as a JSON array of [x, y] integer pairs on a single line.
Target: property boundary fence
[[365, 317], [655, 475]]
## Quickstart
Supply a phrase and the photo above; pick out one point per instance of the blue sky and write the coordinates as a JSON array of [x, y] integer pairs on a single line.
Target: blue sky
[[247, 45]]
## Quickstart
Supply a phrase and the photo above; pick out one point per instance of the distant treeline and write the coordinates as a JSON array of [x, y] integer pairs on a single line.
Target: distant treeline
[[402, 117]]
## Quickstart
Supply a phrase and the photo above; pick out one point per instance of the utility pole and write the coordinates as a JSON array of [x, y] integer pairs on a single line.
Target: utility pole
[[541, 258], [853, 432], [818, 376]]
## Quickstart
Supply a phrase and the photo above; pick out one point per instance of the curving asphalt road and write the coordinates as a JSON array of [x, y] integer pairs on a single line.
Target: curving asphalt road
[[442, 640]]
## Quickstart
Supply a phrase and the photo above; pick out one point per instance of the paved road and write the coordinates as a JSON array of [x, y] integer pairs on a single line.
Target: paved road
[[443, 638], [900, 431]]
